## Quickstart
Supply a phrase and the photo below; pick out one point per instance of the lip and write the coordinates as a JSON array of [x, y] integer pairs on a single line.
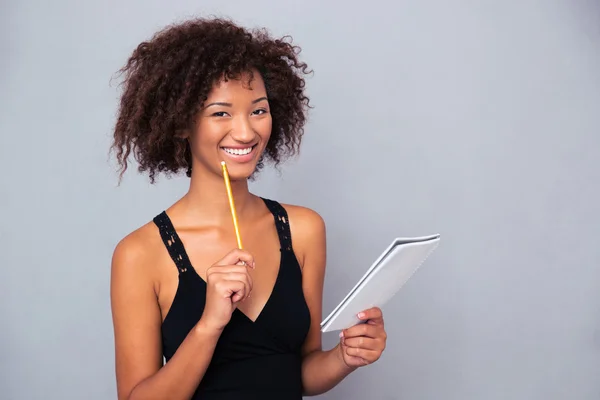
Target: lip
[[239, 158]]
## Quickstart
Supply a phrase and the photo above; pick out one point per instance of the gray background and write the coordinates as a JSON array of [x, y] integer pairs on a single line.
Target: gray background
[[476, 119]]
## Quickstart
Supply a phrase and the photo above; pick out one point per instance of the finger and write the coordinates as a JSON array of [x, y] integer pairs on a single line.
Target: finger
[[368, 355], [372, 314], [235, 256], [235, 289], [245, 293], [238, 296], [220, 283], [228, 268], [361, 330], [236, 276], [231, 273], [242, 277], [364, 342], [218, 270]]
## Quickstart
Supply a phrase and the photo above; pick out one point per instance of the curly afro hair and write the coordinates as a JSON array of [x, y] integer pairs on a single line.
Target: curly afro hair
[[168, 78]]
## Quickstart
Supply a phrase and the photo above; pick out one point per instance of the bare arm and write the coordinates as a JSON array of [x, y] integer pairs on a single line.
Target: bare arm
[[321, 370], [137, 321], [360, 345]]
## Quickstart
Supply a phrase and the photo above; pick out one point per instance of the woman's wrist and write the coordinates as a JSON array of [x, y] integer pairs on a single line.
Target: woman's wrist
[[206, 331], [339, 353]]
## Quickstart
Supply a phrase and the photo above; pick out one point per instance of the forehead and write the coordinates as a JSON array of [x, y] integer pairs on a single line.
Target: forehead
[[242, 87]]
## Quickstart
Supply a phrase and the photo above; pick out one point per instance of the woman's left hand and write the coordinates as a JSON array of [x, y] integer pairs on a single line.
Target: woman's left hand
[[363, 344]]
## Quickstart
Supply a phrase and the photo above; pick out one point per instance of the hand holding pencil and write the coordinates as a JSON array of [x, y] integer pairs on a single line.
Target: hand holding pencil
[[227, 283], [228, 280]]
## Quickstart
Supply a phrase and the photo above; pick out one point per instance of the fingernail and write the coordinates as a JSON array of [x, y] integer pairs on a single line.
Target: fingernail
[[361, 315], [342, 334]]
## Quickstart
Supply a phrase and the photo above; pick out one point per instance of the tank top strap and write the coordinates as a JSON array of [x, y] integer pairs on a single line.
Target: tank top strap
[[281, 222], [172, 242]]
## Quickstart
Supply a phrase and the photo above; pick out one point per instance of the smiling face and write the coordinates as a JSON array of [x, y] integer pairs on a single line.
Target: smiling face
[[234, 126]]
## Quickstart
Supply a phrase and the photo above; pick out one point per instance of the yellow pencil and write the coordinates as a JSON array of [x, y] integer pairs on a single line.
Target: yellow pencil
[[231, 203]]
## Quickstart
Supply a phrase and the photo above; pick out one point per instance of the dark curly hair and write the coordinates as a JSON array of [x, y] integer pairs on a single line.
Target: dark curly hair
[[168, 78]]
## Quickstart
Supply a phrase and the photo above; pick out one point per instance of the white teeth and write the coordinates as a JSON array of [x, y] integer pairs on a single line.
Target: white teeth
[[238, 152]]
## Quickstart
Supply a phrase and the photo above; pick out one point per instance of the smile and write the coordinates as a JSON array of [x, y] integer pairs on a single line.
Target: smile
[[238, 151], [240, 154]]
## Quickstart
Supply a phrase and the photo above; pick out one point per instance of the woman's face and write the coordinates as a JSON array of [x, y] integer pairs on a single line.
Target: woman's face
[[234, 126]]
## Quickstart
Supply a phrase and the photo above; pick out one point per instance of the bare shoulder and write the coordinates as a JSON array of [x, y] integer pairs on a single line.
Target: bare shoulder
[[137, 243], [309, 242], [304, 222], [308, 230], [135, 310], [134, 253]]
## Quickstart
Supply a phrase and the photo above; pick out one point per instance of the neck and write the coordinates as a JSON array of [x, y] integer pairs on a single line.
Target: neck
[[207, 198]]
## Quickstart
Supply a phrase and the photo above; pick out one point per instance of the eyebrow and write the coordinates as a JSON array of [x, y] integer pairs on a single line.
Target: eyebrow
[[219, 103]]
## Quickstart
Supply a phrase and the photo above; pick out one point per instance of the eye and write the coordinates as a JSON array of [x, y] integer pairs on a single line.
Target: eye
[[219, 114], [259, 111]]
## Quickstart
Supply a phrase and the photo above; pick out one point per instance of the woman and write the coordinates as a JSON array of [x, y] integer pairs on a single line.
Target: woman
[[230, 323]]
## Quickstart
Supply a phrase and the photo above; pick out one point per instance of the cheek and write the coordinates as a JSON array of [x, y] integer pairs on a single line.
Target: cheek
[[263, 128], [208, 134]]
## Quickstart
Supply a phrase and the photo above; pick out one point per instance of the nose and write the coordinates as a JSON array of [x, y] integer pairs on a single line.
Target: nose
[[242, 130]]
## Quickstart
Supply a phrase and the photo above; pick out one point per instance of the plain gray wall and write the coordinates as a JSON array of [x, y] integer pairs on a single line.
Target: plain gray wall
[[478, 120]]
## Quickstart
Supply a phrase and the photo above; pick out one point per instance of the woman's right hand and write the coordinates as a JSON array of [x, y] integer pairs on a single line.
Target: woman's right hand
[[228, 282]]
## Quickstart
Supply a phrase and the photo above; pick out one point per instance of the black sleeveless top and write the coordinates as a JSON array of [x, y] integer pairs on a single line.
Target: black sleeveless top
[[252, 360]]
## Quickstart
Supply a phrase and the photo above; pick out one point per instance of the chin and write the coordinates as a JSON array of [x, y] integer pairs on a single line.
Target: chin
[[240, 174]]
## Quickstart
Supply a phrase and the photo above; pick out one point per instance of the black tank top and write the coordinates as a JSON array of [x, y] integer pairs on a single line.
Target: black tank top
[[252, 360]]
